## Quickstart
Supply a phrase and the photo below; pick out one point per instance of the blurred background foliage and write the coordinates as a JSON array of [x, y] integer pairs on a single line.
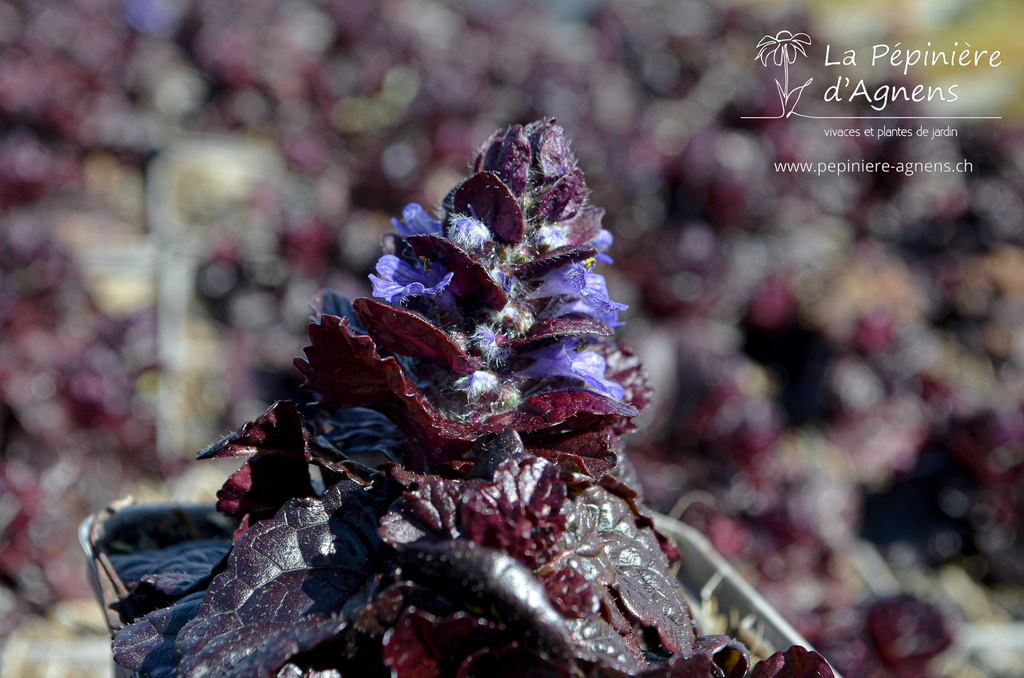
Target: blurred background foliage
[[839, 360]]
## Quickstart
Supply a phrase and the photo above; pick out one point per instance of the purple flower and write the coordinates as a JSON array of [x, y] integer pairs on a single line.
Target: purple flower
[[593, 301], [548, 238], [400, 279], [568, 358], [602, 242], [486, 342], [479, 384], [469, 233], [417, 222], [568, 279]]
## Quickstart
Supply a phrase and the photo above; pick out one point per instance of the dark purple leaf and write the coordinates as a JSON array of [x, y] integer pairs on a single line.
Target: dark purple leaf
[[491, 450], [512, 660], [487, 157], [261, 486], [604, 543], [470, 281], [329, 302], [346, 371], [485, 197], [408, 334], [571, 410], [551, 152], [556, 258], [796, 662], [729, 654], [597, 642], [424, 646], [513, 161], [277, 432], [519, 512], [584, 226], [581, 548], [382, 610], [485, 577], [572, 325], [194, 558], [584, 452], [564, 199], [369, 380], [572, 594], [354, 431], [428, 508], [147, 645], [694, 666], [285, 582]]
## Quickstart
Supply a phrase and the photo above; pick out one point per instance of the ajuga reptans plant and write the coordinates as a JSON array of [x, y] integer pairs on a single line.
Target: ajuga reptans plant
[[455, 501]]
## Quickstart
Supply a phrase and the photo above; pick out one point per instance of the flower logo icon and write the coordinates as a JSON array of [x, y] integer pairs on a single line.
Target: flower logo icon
[[782, 49]]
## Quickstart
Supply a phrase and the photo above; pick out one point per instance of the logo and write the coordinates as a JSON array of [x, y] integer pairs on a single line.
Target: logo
[[899, 74], [782, 49]]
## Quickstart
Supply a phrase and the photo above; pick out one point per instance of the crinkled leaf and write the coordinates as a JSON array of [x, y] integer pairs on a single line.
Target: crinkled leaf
[[519, 512], [470, 280], [556, 258], [604, 531], [796, 662], [286, 580], [571, 325], [346, 371], [565, 197], [147, 645], [513, 161], [581, 547], [407, 333], [596, 641], [486, 197], [424, 646], [428, 508]]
